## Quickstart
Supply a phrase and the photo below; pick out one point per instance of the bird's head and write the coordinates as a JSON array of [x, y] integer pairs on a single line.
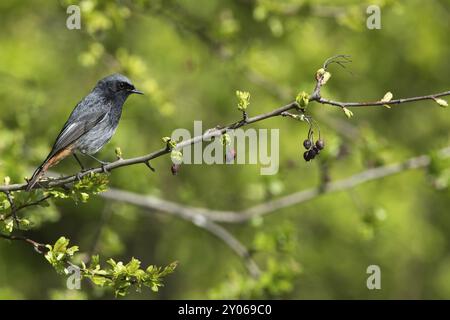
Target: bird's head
[[117, 85]]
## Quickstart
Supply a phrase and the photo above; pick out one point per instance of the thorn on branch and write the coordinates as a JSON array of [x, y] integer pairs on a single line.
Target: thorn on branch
[[148, 164], [104, 169]]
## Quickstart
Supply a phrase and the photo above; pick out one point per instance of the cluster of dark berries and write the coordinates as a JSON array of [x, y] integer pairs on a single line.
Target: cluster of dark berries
[[312, 149]]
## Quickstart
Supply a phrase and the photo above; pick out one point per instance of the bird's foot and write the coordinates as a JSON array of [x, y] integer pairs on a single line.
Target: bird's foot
[[104, 169], [80, 175]]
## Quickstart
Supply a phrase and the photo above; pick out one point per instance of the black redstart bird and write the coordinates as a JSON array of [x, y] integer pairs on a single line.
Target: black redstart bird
[[91, 124]]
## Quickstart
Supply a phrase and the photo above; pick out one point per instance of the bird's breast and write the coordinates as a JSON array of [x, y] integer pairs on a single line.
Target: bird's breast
[[93, 140]]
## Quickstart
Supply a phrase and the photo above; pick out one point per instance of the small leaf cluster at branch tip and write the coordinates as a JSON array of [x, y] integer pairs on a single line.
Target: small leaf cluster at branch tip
[[243, 100], [387, 97], [175, 155], [302, 99], [59, 254], [169, 142], [119, 276]]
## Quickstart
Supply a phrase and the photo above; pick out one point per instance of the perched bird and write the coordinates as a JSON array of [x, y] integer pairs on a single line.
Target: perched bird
[[91, 124]]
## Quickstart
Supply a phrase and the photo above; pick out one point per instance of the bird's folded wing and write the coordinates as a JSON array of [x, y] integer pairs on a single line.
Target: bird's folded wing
[[74, 130]]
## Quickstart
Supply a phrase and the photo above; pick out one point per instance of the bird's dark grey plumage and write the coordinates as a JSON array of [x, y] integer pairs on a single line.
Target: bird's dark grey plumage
[[91, 124]]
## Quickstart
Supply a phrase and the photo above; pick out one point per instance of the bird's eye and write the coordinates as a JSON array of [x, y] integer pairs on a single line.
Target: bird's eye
[[121, 85]]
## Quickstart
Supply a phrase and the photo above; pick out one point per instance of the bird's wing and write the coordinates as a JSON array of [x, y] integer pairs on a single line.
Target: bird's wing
[[74, 129]]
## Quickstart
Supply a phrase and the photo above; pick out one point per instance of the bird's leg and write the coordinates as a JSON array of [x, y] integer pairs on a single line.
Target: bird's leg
[[104, 163], [79, 162], [79, 176], [104, 168]]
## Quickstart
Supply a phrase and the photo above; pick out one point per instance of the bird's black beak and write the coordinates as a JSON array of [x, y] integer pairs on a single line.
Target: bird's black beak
[[136, 91]]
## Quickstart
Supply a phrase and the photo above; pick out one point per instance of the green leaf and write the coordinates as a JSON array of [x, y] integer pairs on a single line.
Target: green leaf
[[99, 280], [387, 97], [71, 251], [6, 226], [4, 205], [441, 102], [347, 112], [24, 224], [61, 245], [133, 265]]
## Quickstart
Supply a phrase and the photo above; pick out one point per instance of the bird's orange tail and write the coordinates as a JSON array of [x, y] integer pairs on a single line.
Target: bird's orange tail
[[48, 163]]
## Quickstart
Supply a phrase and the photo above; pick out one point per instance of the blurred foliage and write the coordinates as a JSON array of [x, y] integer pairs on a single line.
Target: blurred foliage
[[190, 57]]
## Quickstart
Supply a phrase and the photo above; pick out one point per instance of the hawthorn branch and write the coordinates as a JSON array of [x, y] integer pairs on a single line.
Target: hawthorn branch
[[380, 103], [341, 60], [205, 218], [207, 136], [218, 131]]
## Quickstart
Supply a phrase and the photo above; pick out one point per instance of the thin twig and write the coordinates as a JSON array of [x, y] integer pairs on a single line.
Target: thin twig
[[38, 247], [381, 103]]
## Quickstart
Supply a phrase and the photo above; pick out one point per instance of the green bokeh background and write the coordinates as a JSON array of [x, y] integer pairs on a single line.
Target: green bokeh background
[[189, 57]]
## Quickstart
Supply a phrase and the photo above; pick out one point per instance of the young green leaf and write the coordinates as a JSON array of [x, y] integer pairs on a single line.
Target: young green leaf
[[302, 99], [441, 102], [243, 99], [118, 152], [387, 97], [347, 112]]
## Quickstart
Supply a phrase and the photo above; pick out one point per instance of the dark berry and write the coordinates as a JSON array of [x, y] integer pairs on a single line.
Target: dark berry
[[312, 154], [307, 144], [306, 156], [317, 150], [320, 144]]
